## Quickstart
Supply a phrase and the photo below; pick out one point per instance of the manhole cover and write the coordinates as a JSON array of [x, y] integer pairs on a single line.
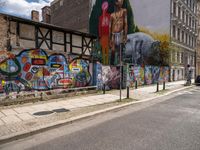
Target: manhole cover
[[42, 113], [61, 110]]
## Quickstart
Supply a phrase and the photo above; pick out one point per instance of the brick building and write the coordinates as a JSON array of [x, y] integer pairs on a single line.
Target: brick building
[[73, 14]]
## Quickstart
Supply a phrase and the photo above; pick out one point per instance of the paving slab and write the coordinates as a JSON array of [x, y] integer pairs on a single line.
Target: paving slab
[[39, 107], [8, 112], [10, 119], [25, 116], [2, 115], [69, 106], [20, 110], [1, 122], [77, 105], [54, 104]]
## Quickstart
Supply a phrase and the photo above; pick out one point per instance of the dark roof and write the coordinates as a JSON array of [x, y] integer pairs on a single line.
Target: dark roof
[[46, 25]]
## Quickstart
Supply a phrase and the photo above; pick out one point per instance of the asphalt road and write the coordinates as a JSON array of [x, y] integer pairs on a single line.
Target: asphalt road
[[170, 123]]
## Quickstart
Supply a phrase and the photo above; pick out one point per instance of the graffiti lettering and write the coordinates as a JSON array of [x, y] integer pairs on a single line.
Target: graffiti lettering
[[34, 69]]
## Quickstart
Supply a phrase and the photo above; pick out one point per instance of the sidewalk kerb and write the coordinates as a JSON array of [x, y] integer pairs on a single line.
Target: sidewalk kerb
[[24, 134]]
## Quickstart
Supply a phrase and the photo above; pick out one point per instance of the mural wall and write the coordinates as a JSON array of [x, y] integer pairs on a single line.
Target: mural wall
[[34, 69], [147, 75], [111, 21], [110, 76], [136, 73]]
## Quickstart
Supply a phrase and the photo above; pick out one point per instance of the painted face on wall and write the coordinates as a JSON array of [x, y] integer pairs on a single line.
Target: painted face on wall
[[119, 3], [104, 6]]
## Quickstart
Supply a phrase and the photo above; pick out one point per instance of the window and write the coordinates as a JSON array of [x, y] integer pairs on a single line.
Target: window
[[191, 59], [189, 40], [181, 57], [183, 16], [178, 57], [186, 19], [174, 31], [174, 8], [190, 21], [186, 38], [179, 12], [193, 23], [178, 34], [183, 36]]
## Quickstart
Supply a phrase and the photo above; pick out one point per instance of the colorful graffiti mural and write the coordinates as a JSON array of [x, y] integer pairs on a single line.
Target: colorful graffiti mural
[[147, 75], [104, 22], [98, 76], [155, 74], [110, 76], [136, 73], [111, 21], [164, 74], [33, 69]]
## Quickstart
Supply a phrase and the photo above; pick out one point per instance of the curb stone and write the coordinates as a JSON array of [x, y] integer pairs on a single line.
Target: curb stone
[[30, 132]]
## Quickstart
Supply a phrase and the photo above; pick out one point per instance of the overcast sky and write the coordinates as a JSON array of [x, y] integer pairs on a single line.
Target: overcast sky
[[23, 7]]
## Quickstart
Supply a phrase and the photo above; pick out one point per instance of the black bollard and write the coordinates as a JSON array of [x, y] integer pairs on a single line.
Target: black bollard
[[164, 85], [41, 98], [157, 87], [127, 92], [136, 84], [104, 89]]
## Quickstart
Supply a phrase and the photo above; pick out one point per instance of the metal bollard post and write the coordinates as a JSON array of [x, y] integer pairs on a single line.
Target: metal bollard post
[[164, 85], [127, 92], [136, 84], [104, 89], [41, 96], [157, 87]]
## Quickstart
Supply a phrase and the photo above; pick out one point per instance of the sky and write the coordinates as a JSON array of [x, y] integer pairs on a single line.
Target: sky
[[23, 8]]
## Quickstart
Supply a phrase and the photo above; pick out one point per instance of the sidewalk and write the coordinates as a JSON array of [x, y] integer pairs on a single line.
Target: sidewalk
[[18, 120], [149, 91]]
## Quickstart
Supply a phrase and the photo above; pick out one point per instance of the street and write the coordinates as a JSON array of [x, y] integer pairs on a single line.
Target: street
[[170, 123]]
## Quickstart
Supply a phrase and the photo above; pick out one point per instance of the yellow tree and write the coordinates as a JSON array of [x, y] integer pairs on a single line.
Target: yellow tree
[[164, 45]]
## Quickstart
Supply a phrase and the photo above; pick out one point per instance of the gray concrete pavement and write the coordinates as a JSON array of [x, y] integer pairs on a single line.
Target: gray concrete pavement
[[170, 123]]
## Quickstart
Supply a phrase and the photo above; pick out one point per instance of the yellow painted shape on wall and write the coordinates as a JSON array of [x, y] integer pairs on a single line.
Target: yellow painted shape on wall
[[3, 66]]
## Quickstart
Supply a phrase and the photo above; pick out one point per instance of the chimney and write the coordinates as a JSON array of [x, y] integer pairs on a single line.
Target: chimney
[[35, 15], [46, 14]]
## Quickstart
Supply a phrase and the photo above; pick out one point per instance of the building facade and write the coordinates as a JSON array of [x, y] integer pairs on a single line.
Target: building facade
[[71, 14], [40, 56], [177, 19], [198, 40], [19, 33]]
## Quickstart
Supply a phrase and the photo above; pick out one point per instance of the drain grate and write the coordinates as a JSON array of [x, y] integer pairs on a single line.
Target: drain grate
[[43, 113], [61, 110]]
